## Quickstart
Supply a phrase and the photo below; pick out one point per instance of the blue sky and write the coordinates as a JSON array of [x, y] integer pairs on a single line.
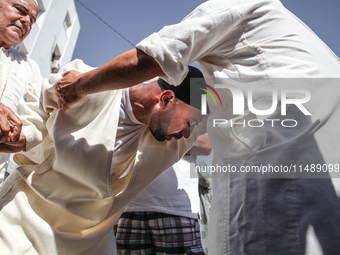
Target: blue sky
[[136, 19]]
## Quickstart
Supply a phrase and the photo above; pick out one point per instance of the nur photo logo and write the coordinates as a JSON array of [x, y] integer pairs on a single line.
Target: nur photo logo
[[244, 101]]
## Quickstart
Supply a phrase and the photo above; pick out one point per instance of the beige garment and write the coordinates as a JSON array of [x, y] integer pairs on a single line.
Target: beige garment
[[62, 200]]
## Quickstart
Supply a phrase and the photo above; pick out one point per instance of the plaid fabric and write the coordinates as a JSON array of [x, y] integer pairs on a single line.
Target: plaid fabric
[[157, 233]]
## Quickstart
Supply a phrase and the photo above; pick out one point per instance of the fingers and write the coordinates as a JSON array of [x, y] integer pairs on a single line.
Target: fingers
[[10, 124], [59, 86], [4, 130], [62, 89], [61, 101], [14, 133], [65, 89], [60, 96], [66, 73], [63, 82], [16, 127], [14, 146]]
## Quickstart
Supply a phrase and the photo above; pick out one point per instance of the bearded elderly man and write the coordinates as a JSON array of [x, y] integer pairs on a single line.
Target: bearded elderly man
[[67, 193], [17, 72]]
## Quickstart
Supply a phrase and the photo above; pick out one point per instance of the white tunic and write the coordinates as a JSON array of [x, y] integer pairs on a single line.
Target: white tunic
[[17, 72], [64, 198]]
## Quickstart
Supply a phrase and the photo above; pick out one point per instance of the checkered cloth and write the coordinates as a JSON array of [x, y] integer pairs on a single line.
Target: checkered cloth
[[157, 233]]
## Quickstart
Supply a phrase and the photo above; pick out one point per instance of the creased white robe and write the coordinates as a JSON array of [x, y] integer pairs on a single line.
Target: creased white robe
[[17, 73], [62, 199]]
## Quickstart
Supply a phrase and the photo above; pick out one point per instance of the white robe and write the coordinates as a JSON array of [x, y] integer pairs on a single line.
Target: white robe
[[63, 199], [17, 72]]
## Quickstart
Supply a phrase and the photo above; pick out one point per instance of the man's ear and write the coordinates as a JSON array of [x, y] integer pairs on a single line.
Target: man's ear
[[167, 96]]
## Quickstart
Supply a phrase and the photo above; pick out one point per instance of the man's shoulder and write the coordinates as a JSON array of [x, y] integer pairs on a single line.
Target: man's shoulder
[[23, 64], [219, 7], [16, 54], [20, 57]]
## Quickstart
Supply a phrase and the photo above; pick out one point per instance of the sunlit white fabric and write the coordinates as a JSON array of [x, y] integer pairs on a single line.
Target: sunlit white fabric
[[17, 72], [64, 198], [173, 192]]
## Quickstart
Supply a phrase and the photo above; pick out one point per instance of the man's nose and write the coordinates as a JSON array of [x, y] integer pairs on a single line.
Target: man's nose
[[26, 20]]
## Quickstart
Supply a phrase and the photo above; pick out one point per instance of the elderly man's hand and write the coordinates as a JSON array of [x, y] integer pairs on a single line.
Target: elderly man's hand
[[14, 146], [67, 91], [10, 125]]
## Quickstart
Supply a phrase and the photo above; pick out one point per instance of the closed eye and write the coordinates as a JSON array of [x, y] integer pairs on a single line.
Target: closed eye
[[24, 11], [21, 9]]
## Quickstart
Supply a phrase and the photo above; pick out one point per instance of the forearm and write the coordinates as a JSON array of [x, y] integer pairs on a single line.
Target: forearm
[[128, 69], [201, 147]]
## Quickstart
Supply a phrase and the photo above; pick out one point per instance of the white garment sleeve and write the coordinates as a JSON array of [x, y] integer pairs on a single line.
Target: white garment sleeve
[[199, 34], [33, 115], [40, 102]]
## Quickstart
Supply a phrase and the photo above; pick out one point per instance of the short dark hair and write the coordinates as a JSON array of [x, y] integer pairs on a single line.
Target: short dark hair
[[182, 91]]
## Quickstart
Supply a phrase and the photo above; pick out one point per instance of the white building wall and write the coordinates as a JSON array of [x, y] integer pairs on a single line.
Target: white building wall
[[49, 35], [72, 33]]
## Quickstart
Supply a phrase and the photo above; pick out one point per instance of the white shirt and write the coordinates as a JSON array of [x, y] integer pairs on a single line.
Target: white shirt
[[174, 192], [129, 128]]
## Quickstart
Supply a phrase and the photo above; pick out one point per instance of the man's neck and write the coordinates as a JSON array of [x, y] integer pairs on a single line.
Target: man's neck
[[143, 98], [136, 94]]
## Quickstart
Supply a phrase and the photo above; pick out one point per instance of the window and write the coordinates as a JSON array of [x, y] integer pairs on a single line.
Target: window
[[55, 60], [67, 21]]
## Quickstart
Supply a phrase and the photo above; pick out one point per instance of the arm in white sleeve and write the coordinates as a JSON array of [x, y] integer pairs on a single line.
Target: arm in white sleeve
[[33, 115], [40, 102], [199, 34]]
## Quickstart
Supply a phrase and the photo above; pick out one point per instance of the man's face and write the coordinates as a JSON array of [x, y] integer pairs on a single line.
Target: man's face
[[16, 19], [176, 121]]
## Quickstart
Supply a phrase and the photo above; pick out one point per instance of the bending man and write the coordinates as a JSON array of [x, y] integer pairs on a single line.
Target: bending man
[[69, 191]]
